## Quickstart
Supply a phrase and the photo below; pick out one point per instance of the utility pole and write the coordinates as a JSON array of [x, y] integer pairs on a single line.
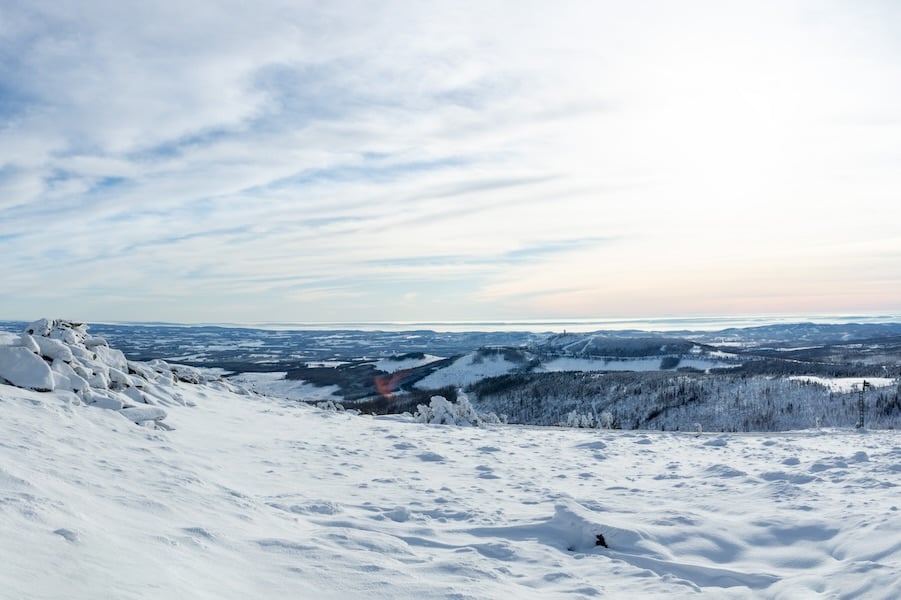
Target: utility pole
[[861, 407]]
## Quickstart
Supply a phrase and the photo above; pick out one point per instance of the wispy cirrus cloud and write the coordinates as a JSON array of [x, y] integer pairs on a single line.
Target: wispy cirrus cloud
[[301, 160]]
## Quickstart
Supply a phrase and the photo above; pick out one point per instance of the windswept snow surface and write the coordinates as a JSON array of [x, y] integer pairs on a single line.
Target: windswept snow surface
[[275, 384], [253, 497]]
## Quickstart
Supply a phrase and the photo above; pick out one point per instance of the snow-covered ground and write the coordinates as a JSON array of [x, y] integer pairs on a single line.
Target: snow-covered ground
[[252, 497], [846, 384], [467, 370], [246, 496], [393, 365], [275, 384]]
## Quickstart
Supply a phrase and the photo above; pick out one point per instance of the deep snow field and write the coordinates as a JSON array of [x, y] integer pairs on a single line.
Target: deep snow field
[[150, 480], [252, 497]]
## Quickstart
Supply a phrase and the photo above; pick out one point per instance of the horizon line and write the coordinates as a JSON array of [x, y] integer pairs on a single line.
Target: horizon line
[[696, 323]]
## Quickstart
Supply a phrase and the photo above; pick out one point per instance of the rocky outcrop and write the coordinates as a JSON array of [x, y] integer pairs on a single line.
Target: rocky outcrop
[[57, 355]]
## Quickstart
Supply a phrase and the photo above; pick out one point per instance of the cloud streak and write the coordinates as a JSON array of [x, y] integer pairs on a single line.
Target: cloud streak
[[303, 161]]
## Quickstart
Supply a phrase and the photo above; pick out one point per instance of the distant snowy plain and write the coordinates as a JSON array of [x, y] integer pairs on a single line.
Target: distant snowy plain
[[256, 497]]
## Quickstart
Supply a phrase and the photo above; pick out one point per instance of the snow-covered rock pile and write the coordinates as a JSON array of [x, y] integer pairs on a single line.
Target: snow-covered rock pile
[[61, 356], [442, 412], [336, 407]]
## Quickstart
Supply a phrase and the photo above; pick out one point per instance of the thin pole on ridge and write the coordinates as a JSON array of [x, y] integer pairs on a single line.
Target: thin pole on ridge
[[861, 405]]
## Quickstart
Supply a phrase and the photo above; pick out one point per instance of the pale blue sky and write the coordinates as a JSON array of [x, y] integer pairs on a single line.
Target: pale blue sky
[[364, 161]]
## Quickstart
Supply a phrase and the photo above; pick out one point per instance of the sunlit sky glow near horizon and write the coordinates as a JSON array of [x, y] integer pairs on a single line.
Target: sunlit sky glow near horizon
[[441, 161]]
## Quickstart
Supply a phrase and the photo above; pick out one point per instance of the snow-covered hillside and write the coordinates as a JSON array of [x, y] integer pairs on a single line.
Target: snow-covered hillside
[[395, 364], [469, 369], [252, 497]]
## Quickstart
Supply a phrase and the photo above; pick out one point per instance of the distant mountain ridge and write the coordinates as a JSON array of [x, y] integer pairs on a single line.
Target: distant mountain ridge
[[223, 346]]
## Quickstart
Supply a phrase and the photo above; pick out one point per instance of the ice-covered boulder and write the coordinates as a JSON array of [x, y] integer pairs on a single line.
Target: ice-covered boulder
[[40, 327], [100, 399], [53, 349], [111, 357], [94, 341], [119, 380], [187, 374], [67, 332], [143, 413], [23, 368], [65, 377], [26, 341]]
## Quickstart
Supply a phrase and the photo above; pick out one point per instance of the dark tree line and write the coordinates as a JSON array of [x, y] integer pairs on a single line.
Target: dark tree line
[[677, 401]]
